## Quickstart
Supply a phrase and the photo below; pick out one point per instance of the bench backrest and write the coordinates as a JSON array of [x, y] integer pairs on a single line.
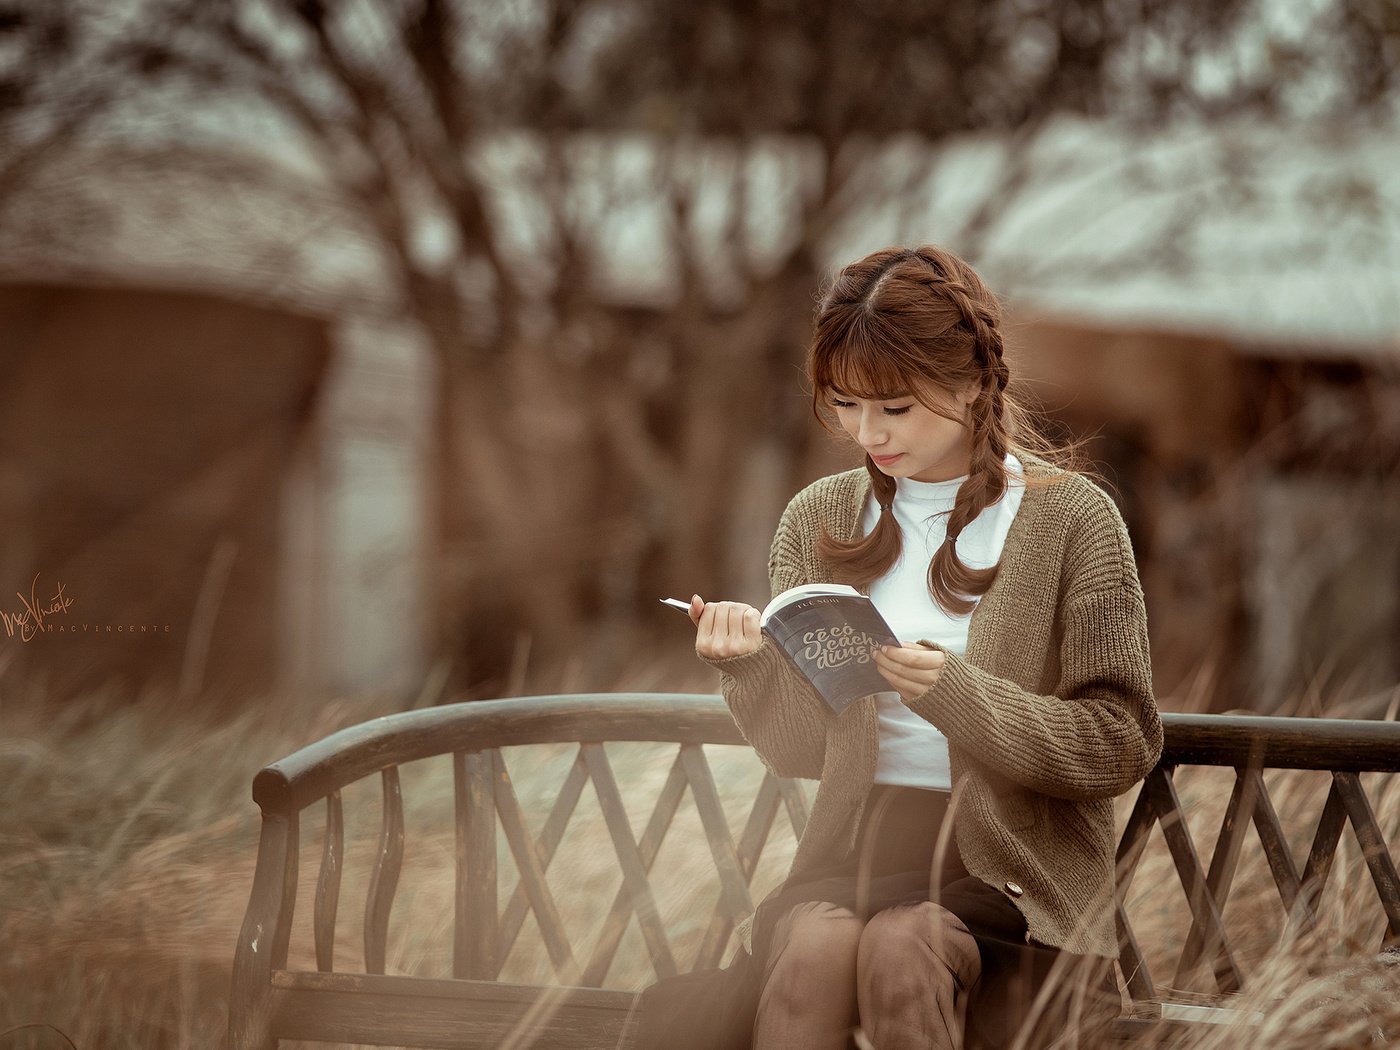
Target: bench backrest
[[1340, 750], [471, 737]]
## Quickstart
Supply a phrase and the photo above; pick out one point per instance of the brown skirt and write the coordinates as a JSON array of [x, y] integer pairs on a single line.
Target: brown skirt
[[892, 866]]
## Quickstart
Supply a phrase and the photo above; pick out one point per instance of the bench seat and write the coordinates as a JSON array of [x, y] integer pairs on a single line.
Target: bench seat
[[447, 1014]]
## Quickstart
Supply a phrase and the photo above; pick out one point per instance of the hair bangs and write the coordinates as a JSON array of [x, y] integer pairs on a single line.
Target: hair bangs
[[863, 366]]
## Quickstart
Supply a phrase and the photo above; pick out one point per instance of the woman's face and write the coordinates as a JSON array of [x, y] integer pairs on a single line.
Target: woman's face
[[907, 439]]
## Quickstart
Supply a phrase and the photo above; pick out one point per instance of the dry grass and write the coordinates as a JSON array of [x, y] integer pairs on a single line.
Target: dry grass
[[126, 849], [128, 838]]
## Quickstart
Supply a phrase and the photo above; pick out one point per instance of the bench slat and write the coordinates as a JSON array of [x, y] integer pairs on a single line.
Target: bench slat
[[1319, 863], [1373, 848], [1274, 843], [634, 871], [548, 843], [450, 1015], [1130, 850], [328, 882], [475, 940], [755, 835], [1229, 842], [527, 863], [384, 879], [734, 888], [1171, 816], [615, 923]]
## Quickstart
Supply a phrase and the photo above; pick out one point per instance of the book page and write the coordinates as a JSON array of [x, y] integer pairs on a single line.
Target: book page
[[793, 594]]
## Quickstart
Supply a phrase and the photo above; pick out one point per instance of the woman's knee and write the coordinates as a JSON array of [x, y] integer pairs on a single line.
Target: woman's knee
[[813, 953], [911, 946]]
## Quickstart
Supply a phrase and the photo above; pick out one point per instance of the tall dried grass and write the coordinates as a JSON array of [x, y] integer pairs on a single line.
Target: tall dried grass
[[128, 839], [126, 845]]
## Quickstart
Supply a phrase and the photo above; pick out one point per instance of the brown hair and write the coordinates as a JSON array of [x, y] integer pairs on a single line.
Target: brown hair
[[920, 322]]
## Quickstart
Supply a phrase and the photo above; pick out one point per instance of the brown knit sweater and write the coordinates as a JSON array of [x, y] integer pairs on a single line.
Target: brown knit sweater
[[1048, 716]]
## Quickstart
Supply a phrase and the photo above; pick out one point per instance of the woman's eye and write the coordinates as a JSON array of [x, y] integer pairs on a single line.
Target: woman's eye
[[836, 402], [898, 411]]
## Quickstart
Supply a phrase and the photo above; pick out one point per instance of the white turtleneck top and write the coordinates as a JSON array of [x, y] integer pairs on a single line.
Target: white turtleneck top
[[912, 752]]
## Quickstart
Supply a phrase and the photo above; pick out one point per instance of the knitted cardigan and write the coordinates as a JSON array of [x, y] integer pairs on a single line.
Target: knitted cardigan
[[1049, 715]]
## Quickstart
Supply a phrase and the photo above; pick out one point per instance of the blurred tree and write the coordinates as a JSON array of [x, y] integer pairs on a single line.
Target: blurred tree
[[54, 83], [590, 455]]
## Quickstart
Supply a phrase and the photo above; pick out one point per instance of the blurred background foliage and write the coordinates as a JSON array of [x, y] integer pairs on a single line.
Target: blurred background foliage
[[564, 255]]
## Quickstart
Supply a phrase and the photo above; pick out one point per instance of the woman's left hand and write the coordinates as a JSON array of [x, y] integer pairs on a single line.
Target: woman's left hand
[[911, 669]]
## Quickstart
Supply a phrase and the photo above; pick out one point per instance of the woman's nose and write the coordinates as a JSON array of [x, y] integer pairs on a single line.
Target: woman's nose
[[871, 431]]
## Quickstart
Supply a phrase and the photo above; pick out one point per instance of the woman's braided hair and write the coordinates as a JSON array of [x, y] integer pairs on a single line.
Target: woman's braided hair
[[920, 322]]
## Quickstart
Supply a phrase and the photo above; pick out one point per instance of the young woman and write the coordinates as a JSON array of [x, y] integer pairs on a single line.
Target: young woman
[[959, 855]]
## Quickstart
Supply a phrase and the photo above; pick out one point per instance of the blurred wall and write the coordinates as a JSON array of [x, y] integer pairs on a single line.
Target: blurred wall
[[147, 438], [1261, 486], [366, 516]]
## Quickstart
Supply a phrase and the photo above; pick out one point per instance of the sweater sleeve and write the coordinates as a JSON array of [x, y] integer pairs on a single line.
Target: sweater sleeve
[[775, 712], [775, 707], [1100, 732]]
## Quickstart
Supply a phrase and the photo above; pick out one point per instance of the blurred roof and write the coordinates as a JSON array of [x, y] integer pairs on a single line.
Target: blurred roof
[[204, 221], [1279, 239], [1282, 239]]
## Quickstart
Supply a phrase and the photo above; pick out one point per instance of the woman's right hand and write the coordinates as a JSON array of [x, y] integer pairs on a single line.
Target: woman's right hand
[[724, 628]]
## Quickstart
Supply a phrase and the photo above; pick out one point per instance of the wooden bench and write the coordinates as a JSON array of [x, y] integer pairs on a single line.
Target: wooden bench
[[469, 1008]]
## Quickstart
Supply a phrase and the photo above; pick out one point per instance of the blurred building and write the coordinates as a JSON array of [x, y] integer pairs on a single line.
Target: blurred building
[[209, 423], [151, 445], [1261, 485]]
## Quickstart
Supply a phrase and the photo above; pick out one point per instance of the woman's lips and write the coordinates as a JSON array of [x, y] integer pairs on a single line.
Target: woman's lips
[[885, 461]]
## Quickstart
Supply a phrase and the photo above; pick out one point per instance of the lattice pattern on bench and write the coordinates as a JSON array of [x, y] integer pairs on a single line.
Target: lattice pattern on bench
[[484, 784], [484, 794], [1207, 891]]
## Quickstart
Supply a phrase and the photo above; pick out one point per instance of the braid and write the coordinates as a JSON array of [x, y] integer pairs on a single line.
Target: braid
[[863, 560], [881, 485], [952, 583]]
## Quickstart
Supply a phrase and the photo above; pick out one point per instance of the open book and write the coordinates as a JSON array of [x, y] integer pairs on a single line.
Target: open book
[[829, 632]]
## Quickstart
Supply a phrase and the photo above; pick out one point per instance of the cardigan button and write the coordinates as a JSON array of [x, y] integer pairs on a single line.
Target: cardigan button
[[1014, 888]]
